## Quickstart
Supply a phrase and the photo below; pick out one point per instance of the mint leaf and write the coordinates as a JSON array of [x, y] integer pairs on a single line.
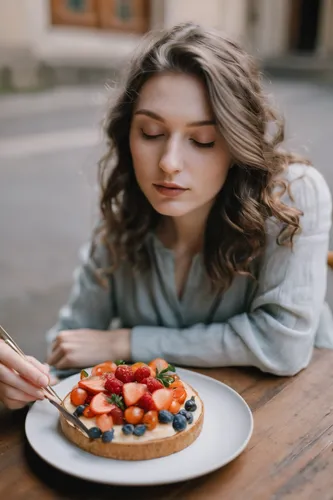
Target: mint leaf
[[84, 374], [117, 400], [120, 362]]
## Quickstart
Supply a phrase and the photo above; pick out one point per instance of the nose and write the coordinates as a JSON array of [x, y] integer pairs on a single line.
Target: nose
[[171, 161]]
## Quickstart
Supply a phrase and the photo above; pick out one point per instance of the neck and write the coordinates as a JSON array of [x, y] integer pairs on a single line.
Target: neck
[[184, 234]]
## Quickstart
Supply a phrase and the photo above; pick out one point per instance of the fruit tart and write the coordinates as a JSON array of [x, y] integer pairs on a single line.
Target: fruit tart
[[133, 412]]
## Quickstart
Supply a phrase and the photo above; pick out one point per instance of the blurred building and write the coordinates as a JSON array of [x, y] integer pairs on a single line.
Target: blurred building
[[78, 40]]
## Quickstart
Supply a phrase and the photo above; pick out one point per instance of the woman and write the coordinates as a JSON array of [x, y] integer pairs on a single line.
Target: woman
[[212, 243]]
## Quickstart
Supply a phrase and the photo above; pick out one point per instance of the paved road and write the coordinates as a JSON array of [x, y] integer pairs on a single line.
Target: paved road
[[49, 147]]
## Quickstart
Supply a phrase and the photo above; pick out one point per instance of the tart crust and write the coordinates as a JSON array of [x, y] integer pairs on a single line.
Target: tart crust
[[136, 450]]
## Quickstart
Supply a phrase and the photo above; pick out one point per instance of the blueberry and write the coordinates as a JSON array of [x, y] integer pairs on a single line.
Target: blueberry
[[190, 404], [139, 430], [179, 422], [165, 417], [187, 414], [79, 411], [95, 433], [128, 429], [107, 436]]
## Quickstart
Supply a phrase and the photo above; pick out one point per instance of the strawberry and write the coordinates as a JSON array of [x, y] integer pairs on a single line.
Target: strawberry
[[132, 392], [153, 384], [101, 404], [163, 398], [108, 376], [146, 402], [104, 422], [141, 373], [125, 374], [88, 413], [114, 386], [117, 416], [94, 384], [158, 364]]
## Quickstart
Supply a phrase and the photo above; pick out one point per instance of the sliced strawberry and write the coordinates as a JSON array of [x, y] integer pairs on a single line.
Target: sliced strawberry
[[163, 399], [100, 404], [132, 392], [94, 385], [146, 402], [158, 364], [104, 422], [88, 413]]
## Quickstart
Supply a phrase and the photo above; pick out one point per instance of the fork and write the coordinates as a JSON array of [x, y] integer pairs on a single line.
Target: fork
[[49, 392]]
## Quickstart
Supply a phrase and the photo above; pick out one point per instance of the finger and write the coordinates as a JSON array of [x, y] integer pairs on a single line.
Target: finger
[[12, 360], [14, 405], [55, 356], [43, 367], [63, 363], [64, 336], [54, 380], [12, 379], [7, 392], [64, 358]]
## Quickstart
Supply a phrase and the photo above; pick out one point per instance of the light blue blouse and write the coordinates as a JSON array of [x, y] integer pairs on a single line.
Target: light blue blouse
[[272, 323]]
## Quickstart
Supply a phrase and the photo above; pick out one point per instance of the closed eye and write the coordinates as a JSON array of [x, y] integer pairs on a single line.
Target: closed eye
[[203, 144], [150, 137]]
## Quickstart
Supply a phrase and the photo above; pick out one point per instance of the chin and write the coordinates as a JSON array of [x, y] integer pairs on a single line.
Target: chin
[[170, 210]]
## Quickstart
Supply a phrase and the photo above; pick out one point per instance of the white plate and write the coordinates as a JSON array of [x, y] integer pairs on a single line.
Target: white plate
[[228, 426]]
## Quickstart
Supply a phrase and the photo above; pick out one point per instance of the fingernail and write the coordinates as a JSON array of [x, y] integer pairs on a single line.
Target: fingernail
[[43, 380]]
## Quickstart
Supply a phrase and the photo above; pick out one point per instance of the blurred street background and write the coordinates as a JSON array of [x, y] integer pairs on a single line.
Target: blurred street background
[[58, 63]]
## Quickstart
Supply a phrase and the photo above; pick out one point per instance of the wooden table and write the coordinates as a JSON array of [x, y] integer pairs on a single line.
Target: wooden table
[[290, 455]]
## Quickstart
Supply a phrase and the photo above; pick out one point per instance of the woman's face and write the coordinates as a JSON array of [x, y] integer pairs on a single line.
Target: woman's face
[[180, 159]]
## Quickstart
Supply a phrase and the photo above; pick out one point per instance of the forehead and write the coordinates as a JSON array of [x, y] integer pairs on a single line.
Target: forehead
[[176, 95]]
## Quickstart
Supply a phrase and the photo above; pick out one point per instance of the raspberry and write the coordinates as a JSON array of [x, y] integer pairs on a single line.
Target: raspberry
[[89, 398], [153, 384], [114, 386], [117, 416], [146, 402], [142, 373], [125, 374]]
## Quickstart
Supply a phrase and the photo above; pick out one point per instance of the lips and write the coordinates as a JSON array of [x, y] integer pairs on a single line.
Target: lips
[[169, 189]]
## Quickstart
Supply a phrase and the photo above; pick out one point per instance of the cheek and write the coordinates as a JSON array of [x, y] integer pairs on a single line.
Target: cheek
[[212, 176]]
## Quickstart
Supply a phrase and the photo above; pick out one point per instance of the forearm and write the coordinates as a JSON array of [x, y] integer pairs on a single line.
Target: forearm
[[246, 340]]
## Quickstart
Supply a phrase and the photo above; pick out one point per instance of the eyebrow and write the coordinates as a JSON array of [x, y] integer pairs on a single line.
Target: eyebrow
[[155, 116]]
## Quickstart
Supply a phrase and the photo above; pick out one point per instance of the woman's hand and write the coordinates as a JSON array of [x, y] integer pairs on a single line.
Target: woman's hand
[[20, 380], [82, 348]]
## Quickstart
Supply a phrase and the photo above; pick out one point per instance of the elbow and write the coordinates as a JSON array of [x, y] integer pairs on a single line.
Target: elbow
[[287, 370], [290, 363]]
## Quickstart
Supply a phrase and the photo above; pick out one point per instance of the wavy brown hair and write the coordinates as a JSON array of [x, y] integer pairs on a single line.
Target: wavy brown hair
[[235, 230]]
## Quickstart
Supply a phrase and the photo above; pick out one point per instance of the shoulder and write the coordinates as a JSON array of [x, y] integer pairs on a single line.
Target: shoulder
[[309, 192]]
